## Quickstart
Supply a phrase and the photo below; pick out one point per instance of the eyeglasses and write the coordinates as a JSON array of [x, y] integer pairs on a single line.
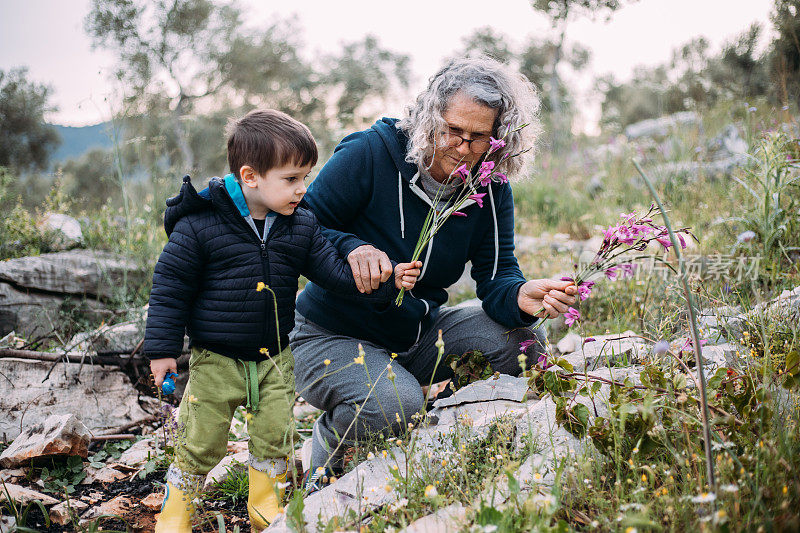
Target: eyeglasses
[[476, 146]]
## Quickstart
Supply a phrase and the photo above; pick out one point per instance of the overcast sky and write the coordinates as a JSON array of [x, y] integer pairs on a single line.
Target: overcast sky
[[47, 36]]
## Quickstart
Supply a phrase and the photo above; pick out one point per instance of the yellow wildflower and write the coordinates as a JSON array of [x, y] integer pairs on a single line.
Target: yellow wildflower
[[327, 362], [359, 360], [265, 351], [261, 286]]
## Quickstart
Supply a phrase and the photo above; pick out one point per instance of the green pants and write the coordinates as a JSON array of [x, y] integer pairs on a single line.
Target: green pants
[[217, 386]]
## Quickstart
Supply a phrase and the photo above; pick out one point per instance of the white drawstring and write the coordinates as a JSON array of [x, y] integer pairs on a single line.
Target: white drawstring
[[496, 237], [400, 203]]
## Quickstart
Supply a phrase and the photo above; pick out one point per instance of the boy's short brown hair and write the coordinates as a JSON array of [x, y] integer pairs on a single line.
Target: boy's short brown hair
[[266, 138]]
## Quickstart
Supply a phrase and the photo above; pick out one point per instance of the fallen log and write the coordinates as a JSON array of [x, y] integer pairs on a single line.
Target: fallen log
[[62, 357]]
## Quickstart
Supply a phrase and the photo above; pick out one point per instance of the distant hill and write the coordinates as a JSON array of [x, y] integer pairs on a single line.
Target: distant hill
[[76, 141]]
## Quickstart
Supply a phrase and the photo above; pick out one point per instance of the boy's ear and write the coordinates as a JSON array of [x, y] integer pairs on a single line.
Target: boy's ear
[[248, 175]]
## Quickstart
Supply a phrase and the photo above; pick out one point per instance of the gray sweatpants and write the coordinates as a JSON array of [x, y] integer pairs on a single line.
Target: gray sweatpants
[[383, 406]]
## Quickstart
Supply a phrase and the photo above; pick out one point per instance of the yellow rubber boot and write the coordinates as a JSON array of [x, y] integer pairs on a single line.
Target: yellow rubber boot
[[264, 501], [176, 512]]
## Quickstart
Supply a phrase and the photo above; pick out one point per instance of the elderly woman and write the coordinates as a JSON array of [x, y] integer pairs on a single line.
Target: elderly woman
[[373, 196]]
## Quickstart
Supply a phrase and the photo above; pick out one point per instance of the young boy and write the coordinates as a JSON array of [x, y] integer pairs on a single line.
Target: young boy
[[228, 275]]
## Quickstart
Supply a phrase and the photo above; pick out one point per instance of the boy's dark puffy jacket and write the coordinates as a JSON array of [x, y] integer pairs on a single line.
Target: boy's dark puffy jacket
[[206, 278]]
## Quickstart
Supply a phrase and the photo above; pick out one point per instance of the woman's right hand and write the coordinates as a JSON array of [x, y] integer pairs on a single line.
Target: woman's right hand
[[370, 267]]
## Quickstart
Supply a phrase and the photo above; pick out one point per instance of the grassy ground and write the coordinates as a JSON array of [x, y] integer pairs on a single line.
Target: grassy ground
[[646, 470]]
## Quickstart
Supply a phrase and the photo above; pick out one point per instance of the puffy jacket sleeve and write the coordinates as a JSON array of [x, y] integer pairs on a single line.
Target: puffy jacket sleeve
[[499, 295], [175, 283], [341, 191], [325, 266]]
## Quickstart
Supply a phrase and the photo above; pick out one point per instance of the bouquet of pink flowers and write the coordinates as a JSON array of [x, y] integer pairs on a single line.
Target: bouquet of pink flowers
[[472, 184], [634, 234]]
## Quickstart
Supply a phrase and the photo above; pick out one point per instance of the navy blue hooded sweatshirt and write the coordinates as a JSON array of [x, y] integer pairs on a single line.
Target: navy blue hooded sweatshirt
[[206, 278], [368, 194]]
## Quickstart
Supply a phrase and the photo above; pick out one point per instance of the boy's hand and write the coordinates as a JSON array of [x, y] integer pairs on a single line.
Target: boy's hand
[[406, 274], [160, 368]]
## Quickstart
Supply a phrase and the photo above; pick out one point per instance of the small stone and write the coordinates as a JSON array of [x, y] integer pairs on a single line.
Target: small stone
[[58, 435], [138, 453], [12, 474], [107, 474], [153, 501], [220, 472], [570, 343], [59, 514]]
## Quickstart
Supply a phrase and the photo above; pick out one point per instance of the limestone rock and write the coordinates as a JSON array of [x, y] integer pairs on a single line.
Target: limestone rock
[[660, 127], [102, 398], [57, 435], [32, 314], [153, 501], [106, 474], [116, 339], [24, 496], [570, 343], [118, 506], [446, 520], [620, 349], [59, 514], [221, 472], [140, 452], [501, 387], [90, 273], [66, 229]]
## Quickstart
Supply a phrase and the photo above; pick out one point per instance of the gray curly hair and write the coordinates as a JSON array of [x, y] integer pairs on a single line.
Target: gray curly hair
[[490, 83]]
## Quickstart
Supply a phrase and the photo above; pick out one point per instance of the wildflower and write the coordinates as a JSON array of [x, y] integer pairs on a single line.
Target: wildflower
[[664, 241], [785, 489], [644, 478], [359, 360], [326, 362], [661, 347], [631, 529], [370, 455], [495, 144], [585, 289], [431, 492], [752, 109], [589, 339], [458, 214], [264, 351], [462, 172], [537, 476], [524, 345], [571, 316], [388, 488], [706, 497], [478, 198], [485, 173], [745, 236], [192, 398], [390, 373], [261, 286], [384, 453], [248, 416], [502, 178]]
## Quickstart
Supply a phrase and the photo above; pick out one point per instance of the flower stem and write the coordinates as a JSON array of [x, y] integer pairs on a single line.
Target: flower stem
[[701, 380]]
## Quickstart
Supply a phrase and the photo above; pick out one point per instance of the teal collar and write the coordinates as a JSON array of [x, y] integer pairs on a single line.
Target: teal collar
[[236, 194]]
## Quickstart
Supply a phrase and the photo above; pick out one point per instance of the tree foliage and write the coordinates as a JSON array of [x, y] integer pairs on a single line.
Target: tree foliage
[[26, 141], [188, 65]]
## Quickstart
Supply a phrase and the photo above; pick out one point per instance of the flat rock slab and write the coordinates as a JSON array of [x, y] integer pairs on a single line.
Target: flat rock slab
[[57, 435], [620, 349], [501, 387], [24, 496], [446, 520], [91, 273], [118, 506], [102, 398], [33, 314], [235, 462]]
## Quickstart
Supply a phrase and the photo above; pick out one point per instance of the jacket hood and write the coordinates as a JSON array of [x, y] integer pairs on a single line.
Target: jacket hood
[[396, 143], [224, 194]]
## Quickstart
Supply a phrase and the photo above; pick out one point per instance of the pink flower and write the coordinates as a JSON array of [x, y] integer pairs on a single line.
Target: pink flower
[[523, 346], [502, 178], [485, 172], [589, 339], [664, 241], [495, 144], [682, 241], [571, 316], [462, 172], [611, 273], [478, 198], [458, 214], [627, 269], [585, 289], [566, 278]]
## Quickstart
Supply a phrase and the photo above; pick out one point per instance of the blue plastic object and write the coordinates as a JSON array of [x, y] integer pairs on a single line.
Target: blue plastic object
[[168, 386]]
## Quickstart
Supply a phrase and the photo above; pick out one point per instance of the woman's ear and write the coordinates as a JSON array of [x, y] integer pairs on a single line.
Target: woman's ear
[[248, 175]]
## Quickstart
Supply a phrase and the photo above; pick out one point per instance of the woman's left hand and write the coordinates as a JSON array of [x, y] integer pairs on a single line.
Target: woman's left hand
[[546, 298]]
